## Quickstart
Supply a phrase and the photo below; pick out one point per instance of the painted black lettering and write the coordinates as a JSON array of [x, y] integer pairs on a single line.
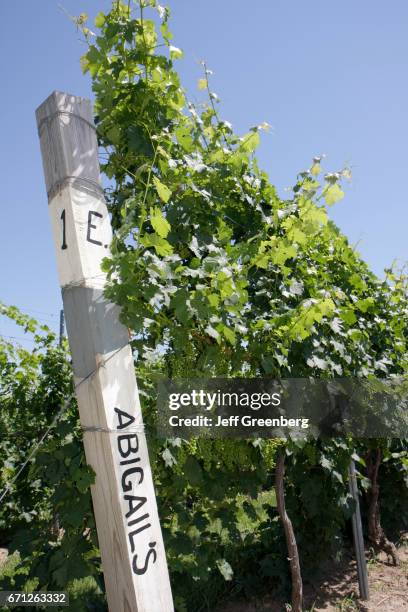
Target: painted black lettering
[[64, 242], [142, 528], [127, 440], [121, 418], [137, 520], [134, 533], [130, 461], [91, 226], [134, 507], [127, 486], [151, 553]]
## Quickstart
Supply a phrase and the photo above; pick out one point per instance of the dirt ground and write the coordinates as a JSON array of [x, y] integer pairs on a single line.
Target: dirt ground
[[388, 587], [336, 589]]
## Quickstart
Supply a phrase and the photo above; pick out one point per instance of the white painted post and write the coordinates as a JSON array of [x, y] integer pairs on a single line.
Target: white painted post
[[130, 539]]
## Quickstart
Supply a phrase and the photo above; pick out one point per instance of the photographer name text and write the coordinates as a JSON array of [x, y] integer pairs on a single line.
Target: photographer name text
[[237, 421]]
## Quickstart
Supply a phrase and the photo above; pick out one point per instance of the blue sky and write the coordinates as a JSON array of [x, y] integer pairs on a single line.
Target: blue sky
[[330, 77]]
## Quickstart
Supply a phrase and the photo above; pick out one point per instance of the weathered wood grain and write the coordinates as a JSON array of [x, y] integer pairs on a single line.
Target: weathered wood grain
[[133, 555]]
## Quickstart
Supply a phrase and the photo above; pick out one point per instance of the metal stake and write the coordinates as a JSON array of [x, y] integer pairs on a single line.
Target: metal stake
[[358, 536]]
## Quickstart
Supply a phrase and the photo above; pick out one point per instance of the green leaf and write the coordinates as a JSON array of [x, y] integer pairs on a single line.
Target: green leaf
[[332, 194], [84, 63], [283, 253], [99, 20], [348, 316], [163, 191], [94, 58], [184, 139], [139, 141], [261, 260], [202, 84], [228, 333], [114, 135], [357, 282], [365, 305], [296, 235], [249, 142], [160, 224], [60, 575], [214, 300], [161, 246], [175, 52], [84, 480], [326, 307], [179, 304], [193, 471]]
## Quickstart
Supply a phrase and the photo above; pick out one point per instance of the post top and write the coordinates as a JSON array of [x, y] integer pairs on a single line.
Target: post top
[[68, 142], [63, 102]]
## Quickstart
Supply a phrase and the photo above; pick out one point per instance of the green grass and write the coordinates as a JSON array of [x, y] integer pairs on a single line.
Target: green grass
[[348, 604]]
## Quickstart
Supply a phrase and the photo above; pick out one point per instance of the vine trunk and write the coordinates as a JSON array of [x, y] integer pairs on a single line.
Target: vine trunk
[[376, 533], [293, 554]]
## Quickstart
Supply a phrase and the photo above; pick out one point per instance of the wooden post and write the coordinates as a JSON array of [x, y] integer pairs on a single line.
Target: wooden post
[[130, 539], [358, 536], [293, 558]]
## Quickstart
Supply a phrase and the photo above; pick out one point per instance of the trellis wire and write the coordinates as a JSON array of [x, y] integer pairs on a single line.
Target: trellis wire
[[65, 405]]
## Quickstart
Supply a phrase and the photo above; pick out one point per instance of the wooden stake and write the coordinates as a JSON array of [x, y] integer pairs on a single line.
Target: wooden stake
[[130, 539], [297, 583]]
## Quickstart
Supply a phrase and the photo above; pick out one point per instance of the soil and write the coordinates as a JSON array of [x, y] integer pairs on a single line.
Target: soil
[[336, 588]]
